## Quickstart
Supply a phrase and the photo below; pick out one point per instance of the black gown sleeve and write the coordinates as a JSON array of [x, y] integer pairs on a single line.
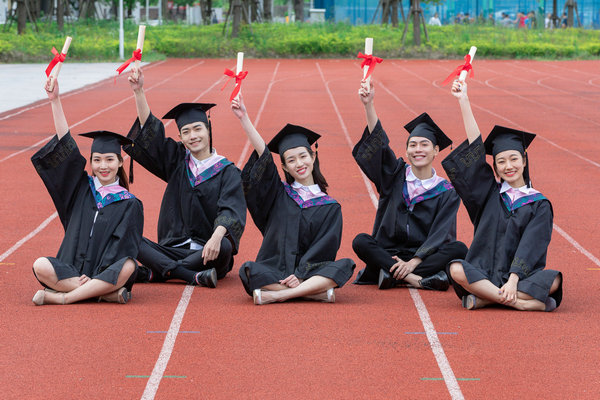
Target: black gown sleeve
[[471, 176], [231, 205], [443, 224], [153, 150], [376, 159], [326, 242], [534, 241], [62, 169], [261, 183]]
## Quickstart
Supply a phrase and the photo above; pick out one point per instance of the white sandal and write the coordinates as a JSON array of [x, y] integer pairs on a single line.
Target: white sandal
[[256, 296]]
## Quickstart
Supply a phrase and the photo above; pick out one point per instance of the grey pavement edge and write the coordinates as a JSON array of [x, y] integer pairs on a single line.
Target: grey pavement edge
[[23, 84]]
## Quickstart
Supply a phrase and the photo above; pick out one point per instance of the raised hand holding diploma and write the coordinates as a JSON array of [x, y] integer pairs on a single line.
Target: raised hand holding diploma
[[239, 76], [56, 63], [462, 70], [369, 61], [136, 57]]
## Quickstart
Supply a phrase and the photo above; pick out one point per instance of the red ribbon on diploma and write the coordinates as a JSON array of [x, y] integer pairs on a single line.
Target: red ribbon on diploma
[[370, 61], [136, 56], [464, 67], [238, 81], [58, 57]]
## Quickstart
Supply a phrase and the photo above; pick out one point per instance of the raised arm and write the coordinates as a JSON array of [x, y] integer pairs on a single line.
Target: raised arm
[[239, 109], [136, 82], [366, 95], [459, 90], [60, 121]]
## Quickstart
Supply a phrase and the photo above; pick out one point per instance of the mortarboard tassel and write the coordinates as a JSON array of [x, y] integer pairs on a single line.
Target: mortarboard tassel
[[131, 168]]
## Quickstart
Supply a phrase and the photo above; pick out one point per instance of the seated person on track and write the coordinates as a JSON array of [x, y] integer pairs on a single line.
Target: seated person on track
[[414, 235], [203, 211], [513, 222], [103, 222], [301, 225]]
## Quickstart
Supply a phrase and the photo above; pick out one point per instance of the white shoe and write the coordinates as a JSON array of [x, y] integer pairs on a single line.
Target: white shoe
[[323, 297], [256, 295], [330, 296]]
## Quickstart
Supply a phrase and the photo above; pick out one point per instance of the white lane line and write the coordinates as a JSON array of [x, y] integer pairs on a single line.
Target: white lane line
[[434, 341], [169, 343], [27, 237], [167, 348], [575, 244], [550, 74], [570, 70], [595, 164], [556, 109], [100, 112], [436, 346], [257, 119], [561, 232], [72, 93]]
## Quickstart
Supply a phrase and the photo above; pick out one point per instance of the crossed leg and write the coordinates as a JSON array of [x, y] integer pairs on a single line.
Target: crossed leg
[[314, 288], [70, 290], [487, 293]]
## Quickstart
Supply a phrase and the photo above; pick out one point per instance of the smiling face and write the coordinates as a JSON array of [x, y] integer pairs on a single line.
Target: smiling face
[[509, 166], [105, 167], [420, 152], [196, 138], [298, 162]]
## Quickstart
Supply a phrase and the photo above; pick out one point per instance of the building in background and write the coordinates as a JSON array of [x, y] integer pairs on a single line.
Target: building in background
[[358, 12]]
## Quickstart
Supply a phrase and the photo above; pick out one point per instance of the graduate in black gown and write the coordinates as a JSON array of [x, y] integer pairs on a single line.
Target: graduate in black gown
[[203, 211], [103, 222], [301, 225], [414, 235], [513, 222]]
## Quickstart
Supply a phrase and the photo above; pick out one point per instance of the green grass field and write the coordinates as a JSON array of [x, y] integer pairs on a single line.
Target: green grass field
[[99, 41]]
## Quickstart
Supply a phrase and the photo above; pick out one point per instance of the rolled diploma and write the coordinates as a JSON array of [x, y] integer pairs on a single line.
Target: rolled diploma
[[463, 74], [368, 52], [140, 44], [56, 69], [239, 67]]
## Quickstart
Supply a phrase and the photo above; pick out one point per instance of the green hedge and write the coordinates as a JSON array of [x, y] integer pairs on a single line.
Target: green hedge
[[99, 41]]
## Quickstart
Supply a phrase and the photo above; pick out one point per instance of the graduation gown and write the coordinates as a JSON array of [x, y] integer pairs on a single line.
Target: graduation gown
[[94, 245], [509, 238], [191, 208], [299, 237], [419, 232]]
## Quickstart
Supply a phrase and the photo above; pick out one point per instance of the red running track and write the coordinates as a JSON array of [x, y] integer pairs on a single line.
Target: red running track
[[370, 344]]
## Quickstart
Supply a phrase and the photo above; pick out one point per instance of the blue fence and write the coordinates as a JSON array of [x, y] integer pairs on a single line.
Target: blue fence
[[358, 12]]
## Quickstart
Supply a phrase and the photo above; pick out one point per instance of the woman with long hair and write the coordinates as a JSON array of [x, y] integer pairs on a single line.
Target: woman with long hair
[[103, 222], [513, 221], [301, 225]]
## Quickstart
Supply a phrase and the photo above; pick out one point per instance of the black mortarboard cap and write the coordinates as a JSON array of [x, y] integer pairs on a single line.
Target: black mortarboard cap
[[187, 113], [106, 142], [501, 139], [423, 126], [292, 136], [109, 142]]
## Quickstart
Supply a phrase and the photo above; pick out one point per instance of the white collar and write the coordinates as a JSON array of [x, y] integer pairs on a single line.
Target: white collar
[[207, 160], [98, 185], [506, 187], [426, 183], [314, 189]]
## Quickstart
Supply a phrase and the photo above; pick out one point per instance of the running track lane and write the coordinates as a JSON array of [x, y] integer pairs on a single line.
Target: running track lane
[[553, 339]]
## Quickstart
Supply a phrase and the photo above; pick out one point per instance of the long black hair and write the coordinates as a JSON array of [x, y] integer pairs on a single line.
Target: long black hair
[[316, 172]]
